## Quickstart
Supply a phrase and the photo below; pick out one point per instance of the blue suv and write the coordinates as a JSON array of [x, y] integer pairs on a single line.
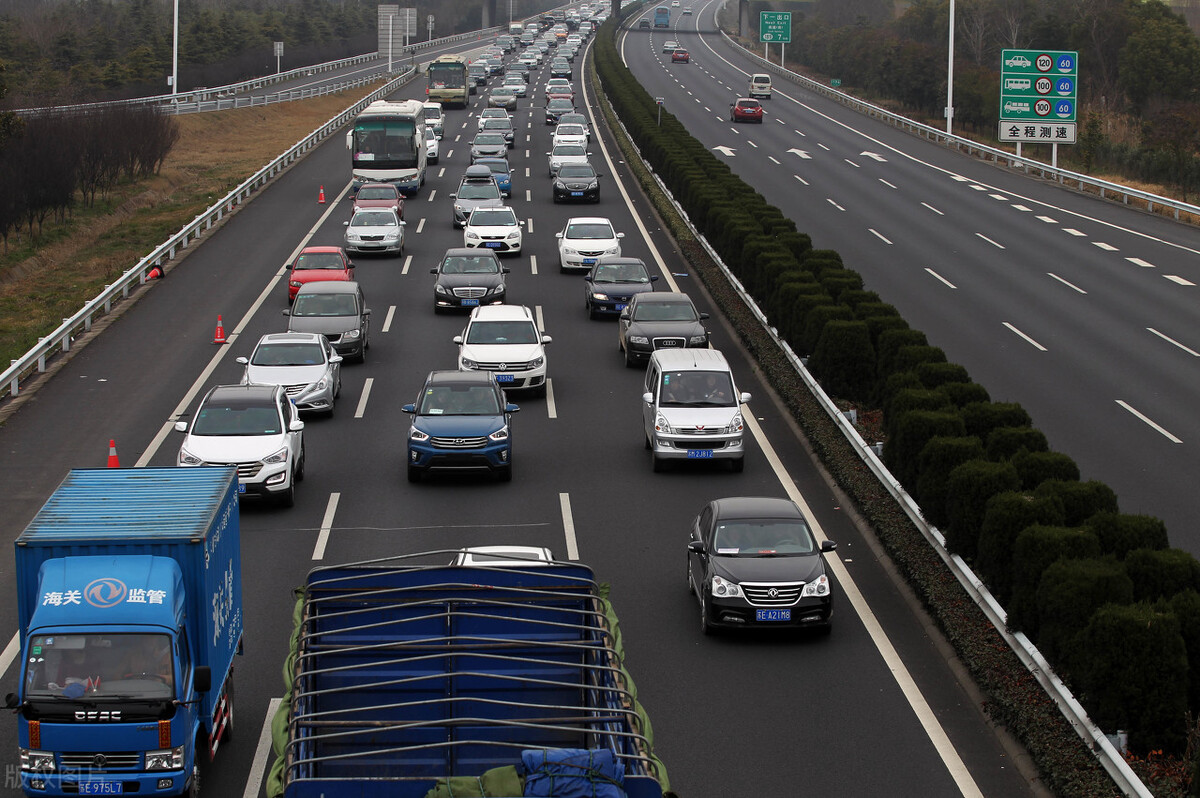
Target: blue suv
[[501, 171], [460, 422]]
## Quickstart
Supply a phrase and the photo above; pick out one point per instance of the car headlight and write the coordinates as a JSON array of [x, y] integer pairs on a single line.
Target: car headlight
[[661, 425], [166, 759], [468, 363], [537, 362], [500, 434], [570, 251], [817, 587], [613, 250], [352, 335], [724, 588], [515, 234], [318, 386], [698, 339], [37, 761], [600, 297], [415, 434], [295, 284], [592, 185], [472, 236], [392, 236], [441, 289], [735, 425], [496, 289], [280, 456], [186, 458], [639, 339], [459, 209]]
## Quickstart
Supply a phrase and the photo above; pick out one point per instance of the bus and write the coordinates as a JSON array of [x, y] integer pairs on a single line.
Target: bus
[[448, 81], [387, 145], [662, 17]]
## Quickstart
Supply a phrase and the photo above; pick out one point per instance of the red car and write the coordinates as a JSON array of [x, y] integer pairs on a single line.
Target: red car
[[318, 263], [559, 89], [380, 195], [745, 110], [679, 57]]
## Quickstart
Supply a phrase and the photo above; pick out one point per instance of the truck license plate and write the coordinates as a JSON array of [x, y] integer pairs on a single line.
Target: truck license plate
[[699, 454], [772, 615], [100, 788]]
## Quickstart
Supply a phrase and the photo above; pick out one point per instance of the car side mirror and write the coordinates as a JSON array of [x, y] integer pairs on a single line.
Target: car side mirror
[[245, 361], [648, 398], [335, 359], [367, 313], [505, 270], [558, 235], [511, 408], [345, 224], [433, 271], [828, 545], [408, 409], [703, 316], [620, 235], [696, 546], [587, 278], [286, 312], [202, 678], [181, 426], [546, 339], [625, 315], [458, 339], [454, 196], [744, 397], [654, 278], [296, 425], [287, 266]]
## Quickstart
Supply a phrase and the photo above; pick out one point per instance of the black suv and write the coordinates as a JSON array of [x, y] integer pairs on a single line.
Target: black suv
[[468, 277], [660, 320]]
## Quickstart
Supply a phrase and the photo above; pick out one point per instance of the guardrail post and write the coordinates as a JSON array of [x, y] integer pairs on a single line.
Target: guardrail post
[[41, 361], [66, 341], [14, 385]]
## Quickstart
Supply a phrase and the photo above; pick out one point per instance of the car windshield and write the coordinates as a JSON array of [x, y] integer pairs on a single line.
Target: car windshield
[[590, 230], [569, 130], [73, 666], [577, 171], [320, 260], [497, 124], [502, 92], [621, 273], [459, 400], [479, 191], [570, 149], [501, 217], [574, 119], [490, 139], [763, 538], [374, 219], [377, 193], [495, 113], [229, 418], [325, 305], [502, 332], [664, 311], [696, 389], [560, 105], [292, 354], [468, 265]]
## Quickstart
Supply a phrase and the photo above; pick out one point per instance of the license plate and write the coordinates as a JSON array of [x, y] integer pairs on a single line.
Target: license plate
[[241, 488], [100, 788], [589, 261], [492, 244], [772, 615], [467, 303], [621, 306], [504, 378], [576, 193], [699, 454]]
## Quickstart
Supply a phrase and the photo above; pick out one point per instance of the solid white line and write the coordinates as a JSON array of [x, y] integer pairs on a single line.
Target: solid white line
[[564, 502], [326, 526], [387, 321], [1026, 337], [1175, 278], [1140, 262], [892, 660], [551, 408], [935, 210], [1148, 422], [878, 235], [1166, 338], [10, 653], [407, 263], [261, 753], [533, 264], [940, 277], [362, 401], [990, 241], [1067, 283]]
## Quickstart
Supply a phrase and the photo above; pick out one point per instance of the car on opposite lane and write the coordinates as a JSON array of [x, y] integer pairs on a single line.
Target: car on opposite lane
[[303, 363], [659, 320], [584, 240], [315, 264], [613, 282]]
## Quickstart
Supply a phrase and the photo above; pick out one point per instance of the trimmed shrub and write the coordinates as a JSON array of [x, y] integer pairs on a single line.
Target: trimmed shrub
[[1120, 533], [838, 283], [984, 417], [794, 317], [962, 394], [1036, 549], [1161, 573], [936, 374], [913, 399], [937, 459], [1037, 467], [891, 342], [781, 305], [911, 431], [844, 360], [891, 388], [1185, 607], [967, 492], [1067, 595], [1003, 443], [1005, 516], [815, 321], [908, 358], [1132, 673], [799, 244], [857, 297]]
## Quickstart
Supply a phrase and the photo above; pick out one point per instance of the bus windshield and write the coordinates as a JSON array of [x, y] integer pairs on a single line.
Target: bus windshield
[[447, 76], [385, 143]]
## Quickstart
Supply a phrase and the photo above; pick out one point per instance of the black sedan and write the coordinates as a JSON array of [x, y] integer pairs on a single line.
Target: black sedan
[[659, 320], [468, 277], [576, 182], [754, 562], [612, 282]]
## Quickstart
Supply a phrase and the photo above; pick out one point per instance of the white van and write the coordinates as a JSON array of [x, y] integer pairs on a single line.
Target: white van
[[760, 86], [691, 408]]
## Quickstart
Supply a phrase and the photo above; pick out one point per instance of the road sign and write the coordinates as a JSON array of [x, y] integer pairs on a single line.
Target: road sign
[[775, 26], [1038, 132], [1039, 86]]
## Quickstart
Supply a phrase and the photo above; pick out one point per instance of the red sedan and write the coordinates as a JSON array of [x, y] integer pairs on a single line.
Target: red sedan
[[745, 110], [380, 195], [679, 57], [318, 263]]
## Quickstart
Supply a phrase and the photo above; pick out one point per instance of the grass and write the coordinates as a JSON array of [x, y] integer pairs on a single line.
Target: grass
[[49, 276]]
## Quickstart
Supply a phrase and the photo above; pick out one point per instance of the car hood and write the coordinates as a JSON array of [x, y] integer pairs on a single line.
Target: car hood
[[316, 275], [501, 353], [458, 426], [711, 418], [620, 289], [464, 280], [791, 568], [375, 230], [658, 329], [233, 448], [495, 230], [389, 204], [285, 375], [327, 325]]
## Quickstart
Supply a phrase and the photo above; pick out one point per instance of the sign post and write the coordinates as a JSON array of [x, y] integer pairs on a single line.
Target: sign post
[[1039, 92], [774, 26], [278, 55]]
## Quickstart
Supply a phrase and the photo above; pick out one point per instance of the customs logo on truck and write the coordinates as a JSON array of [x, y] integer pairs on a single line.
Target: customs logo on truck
[[103, 593]]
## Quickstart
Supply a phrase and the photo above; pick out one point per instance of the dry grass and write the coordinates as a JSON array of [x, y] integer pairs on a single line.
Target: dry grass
[[50, 278]]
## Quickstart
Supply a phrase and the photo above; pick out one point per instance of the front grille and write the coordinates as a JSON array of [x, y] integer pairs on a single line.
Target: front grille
[[371, 238], [786, 593], [459, 443], [295, 390], [595, 254], [112, 760], [469, 292], [669, 343], [505, 367]]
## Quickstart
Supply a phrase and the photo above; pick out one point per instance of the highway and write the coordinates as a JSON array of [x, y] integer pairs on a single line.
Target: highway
[[1081, 310], [874, 709]]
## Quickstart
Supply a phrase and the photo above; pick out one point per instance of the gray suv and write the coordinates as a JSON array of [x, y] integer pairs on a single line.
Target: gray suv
[[337, 310], [478, 189]]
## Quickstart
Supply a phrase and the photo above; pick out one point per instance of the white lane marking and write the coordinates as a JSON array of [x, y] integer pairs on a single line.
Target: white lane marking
[[895, 664], [261, 753], [1067, 283], [797, 132], [752, 144], [564, 502], [935, 210], [551, 408], [878, 235], [1103, 246], [529, 225], [10, 653], [407, 263], [771, 158], [990, 241], [1148, 422], [1000, 197], [852, 163], [527, 171], [362, 400], [801, 179], [1175, 278], [222, 351], [1166, 338], [822, 146], [541, 324], [978, 187], [432, 194], [1139, 262], [1074, 232], [420, 225], [834, 204], [1028, 340], [886, 183], [1046, 219], [326, 526], [528, 196], [442, 172], [533, 264], [940, 277], [387, 321], [1022, 208]]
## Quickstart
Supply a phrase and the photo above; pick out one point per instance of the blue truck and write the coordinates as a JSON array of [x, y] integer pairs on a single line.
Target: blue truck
[[129, 597], [407, 676]]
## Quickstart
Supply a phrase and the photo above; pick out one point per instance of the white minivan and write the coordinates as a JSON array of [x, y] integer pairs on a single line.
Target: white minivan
[[760, 86], [692, 409]]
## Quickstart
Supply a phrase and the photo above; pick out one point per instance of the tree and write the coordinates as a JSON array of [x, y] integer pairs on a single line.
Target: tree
[[1161, 57]]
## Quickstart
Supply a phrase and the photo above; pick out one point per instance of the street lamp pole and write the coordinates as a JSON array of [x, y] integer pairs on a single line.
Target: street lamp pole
[[175, 55], [950, 76], [390, 18]]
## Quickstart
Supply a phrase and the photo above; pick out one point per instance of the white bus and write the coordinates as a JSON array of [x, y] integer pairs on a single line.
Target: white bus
[[387, 145]]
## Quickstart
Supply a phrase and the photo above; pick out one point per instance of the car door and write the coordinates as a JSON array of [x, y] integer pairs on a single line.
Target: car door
[[294, 438], [649, 409], [624, 321], [364, 316], [698, 562]]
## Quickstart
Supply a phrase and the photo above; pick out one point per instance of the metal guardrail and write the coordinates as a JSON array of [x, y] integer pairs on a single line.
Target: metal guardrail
[[59, 341], [1115, 192], [1101, 746]]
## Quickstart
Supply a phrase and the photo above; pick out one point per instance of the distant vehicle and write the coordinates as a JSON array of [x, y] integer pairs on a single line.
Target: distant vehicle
[[478, 188], [383, 195], [337, 310], [662, 17], [687, 11], [680, 56], [760, 86], [669, 46], [386, 145], [643, 23], [744, 109], [315, 264], [435, 117], [303, 363], [448, 81]]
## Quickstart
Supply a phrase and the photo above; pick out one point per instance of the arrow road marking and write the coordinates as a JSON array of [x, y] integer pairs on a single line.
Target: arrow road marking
[[801, 153], [727, 151], [874, 156]]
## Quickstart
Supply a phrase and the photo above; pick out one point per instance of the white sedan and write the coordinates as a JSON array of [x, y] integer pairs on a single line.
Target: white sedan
[[567, 133], [584, 239], [497, 229], [566, 153]]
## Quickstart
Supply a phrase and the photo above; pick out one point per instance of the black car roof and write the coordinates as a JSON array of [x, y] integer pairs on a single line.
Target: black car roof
[[244, 395], [757, 507]]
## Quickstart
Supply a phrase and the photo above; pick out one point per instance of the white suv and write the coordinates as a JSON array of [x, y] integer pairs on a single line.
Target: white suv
[[584, 239], [505, 340]]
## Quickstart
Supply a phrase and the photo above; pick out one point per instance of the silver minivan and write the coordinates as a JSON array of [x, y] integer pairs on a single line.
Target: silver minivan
[[760, 87], [691, 408]]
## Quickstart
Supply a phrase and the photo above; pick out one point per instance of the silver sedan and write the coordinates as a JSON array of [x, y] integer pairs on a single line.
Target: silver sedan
[[303, 363]]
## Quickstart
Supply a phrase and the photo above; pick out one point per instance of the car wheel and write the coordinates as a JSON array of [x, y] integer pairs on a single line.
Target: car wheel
[[737, 466], [629, 361], [288, 497], [705, 626], [505, 473], [300, 465], [414, 473], [659, 464]]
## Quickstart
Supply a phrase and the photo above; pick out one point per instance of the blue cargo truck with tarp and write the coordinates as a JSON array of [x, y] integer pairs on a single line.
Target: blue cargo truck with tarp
[[415, 680], [129, 597]]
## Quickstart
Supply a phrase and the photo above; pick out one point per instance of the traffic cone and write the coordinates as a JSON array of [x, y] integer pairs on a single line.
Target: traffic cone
[[321, 196], [219, 336], [112, 455], [154, 274]]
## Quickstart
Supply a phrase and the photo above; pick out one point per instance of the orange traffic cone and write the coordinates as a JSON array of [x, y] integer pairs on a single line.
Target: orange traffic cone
[[112, 455], [219, 336], [321, 196], [154, 274]]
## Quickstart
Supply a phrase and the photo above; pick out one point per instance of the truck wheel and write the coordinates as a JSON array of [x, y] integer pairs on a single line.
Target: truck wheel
[[193, 791]]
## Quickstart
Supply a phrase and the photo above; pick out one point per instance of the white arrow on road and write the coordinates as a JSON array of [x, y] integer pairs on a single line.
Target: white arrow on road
[[727, 151], [801, 153], [875, 156]]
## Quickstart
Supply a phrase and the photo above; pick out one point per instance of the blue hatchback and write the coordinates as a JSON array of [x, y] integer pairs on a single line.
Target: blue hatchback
[[502, 172], [460, 423]]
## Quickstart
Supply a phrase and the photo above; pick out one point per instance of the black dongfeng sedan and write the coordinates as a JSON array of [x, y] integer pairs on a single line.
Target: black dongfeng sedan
[[577, 182]]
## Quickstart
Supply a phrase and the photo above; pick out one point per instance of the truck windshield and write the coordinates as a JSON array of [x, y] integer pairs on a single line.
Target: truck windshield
[[75, 666]]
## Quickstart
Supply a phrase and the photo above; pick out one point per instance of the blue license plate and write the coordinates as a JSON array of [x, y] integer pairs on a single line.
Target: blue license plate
[[589, 261], [468, 303], [492, 244], [699, 454], [772, 615], [241, 488], [576, 193], [621, 306], [504, 378], [100, 788]]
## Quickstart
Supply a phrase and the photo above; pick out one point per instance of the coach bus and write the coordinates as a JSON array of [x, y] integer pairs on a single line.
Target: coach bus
[[387, 145], [448, 82], [662, 17]]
